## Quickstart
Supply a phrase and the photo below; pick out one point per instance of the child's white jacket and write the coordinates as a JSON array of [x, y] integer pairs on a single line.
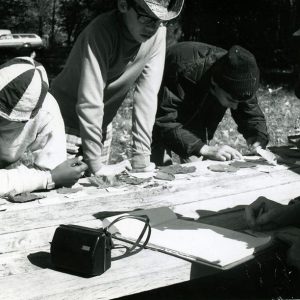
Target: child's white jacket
[[42, 138]]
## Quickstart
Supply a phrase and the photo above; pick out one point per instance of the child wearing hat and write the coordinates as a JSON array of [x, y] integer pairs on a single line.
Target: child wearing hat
[[200, 83], [118, 50], [32, 136]]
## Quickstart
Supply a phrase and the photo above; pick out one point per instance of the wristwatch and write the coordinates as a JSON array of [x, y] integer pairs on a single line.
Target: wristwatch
[[50, 183]]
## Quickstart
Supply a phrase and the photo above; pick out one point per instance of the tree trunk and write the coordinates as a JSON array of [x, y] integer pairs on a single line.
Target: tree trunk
[[52, 33]]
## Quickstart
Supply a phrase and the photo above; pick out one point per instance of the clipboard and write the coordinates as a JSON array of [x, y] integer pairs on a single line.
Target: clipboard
[[196, 242]]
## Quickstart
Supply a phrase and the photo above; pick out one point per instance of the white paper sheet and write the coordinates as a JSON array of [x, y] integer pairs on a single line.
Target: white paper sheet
[[206, 243]]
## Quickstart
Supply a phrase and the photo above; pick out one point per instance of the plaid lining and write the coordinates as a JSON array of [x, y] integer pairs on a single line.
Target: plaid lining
[[74, 143]]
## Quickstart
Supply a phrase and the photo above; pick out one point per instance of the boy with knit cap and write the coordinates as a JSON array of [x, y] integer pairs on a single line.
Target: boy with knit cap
[[32, 129], [200, 82], [117, 50]]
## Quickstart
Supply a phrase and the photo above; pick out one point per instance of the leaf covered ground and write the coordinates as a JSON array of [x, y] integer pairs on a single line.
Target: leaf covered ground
[[279, 104]]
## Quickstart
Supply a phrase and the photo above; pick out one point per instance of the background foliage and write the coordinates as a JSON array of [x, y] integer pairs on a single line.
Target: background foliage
[[263, 26]]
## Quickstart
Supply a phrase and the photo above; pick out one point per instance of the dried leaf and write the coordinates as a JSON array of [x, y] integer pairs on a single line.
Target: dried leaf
[[134, 180], [243, 164], [267, 155], [178, 169], [66, 190], [222, 168], [164, 176], [24, 197], [151, 185], [117, 180]]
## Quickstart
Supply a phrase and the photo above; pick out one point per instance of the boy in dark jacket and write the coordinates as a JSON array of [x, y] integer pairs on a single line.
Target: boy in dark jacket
[[200, 82]]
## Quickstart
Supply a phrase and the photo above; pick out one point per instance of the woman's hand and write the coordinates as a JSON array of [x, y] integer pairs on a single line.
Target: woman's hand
[[265, 214]]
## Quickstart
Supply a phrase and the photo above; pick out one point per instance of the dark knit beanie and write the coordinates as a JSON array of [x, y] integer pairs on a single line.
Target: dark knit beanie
[[238, 73]]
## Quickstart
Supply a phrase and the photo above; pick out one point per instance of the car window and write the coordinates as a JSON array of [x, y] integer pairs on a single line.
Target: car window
[[27, 35], [6, 37]]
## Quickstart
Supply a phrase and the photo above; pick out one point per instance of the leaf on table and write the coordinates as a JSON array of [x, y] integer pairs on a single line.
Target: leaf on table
[[242, 164], [24, 197], [267, 155], [222, 168], [164, 176], [117, 180], [177, 169], [151, 185], [66, 190], [134, 180]]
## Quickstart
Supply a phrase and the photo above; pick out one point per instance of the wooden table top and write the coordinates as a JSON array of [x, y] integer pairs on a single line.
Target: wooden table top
[[27, 228]]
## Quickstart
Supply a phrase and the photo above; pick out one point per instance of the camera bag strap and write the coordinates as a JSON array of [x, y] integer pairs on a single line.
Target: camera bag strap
[[144, 219]]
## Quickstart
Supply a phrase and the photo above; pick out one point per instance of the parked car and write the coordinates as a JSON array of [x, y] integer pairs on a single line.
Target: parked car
[[20, 40]]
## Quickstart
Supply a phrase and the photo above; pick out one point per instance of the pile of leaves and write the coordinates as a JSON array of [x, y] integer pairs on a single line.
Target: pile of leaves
[[103, 182]]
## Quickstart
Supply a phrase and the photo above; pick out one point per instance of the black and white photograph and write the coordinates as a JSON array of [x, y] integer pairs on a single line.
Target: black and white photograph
[[150, 149]]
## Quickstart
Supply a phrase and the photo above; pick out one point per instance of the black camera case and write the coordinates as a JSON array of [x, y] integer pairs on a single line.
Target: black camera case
[[82, 250]]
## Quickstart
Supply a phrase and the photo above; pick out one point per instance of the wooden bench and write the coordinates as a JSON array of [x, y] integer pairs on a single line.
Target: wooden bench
[[26, 230]]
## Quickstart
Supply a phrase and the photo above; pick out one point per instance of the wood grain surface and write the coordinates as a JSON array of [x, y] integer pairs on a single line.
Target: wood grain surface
[[26, 229]]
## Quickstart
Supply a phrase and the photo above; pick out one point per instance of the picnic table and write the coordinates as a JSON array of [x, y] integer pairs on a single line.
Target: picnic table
[[26, 229]]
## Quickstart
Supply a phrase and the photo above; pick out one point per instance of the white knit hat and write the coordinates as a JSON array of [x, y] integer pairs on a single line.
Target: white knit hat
[[23, 87]]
